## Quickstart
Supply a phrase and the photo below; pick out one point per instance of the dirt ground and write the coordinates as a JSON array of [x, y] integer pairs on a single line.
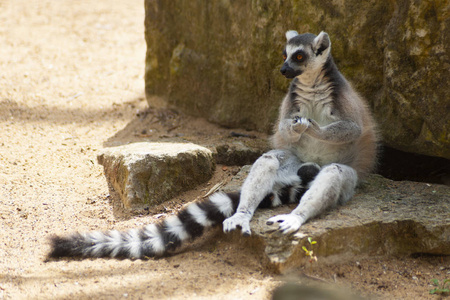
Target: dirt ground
[[71, 82]]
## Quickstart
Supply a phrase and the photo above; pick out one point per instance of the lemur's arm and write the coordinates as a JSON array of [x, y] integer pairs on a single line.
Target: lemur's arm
[[289, 129], [339, 132], [292, 125]]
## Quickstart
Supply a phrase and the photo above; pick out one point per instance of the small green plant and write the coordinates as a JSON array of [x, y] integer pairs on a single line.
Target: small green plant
[[443, 288], [309, 252]]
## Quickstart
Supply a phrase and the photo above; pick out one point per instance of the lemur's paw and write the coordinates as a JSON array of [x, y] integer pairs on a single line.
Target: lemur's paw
[[299, 125], [238, 220], [287, 223], [313, 125]]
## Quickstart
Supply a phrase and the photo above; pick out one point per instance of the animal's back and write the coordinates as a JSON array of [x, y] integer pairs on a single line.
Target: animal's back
[[367, 146]]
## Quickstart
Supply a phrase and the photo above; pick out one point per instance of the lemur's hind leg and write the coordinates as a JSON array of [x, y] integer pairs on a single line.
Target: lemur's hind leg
[[271, 172], [291, 192], [334, 184]]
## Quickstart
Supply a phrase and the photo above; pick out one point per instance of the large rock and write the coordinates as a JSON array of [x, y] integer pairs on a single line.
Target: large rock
[[220, 60], [145, 174], [384, 218]]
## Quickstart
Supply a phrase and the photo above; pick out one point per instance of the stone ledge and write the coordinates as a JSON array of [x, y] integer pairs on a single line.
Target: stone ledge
[[146, 174], [384, 217]]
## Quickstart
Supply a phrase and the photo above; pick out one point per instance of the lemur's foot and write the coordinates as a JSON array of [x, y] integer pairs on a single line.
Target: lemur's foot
[[238, 220], [287, 223]]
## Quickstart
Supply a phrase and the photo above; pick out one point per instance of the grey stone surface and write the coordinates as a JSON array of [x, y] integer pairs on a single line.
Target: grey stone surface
[[220, 60], [384, 218], [237, 154], [145, 174]]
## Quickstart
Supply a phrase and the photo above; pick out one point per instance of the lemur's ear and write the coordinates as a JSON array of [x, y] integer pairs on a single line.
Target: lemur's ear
[[290, 34], [321, 43]]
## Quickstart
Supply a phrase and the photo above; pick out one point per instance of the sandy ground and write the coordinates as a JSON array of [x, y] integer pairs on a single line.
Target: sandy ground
[[71, 78]]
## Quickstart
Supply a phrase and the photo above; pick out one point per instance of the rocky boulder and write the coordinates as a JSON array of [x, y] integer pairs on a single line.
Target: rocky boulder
[[145, 174], [384, 217], [220, 60]]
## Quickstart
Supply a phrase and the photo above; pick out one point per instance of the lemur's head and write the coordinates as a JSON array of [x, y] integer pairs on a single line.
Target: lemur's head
[[304, 52]]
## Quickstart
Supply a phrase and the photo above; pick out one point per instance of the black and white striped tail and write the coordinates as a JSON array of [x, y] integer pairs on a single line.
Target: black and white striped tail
[[156, 240], [153, 240]]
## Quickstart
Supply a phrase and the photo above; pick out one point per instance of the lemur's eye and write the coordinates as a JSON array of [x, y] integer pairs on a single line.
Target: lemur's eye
[[299, 57], [284, 56]]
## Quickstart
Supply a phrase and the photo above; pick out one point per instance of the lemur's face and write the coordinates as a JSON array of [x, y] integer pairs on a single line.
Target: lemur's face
[[304, 52]]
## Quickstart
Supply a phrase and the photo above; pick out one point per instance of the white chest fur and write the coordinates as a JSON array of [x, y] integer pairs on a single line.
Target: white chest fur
[[315, 103]]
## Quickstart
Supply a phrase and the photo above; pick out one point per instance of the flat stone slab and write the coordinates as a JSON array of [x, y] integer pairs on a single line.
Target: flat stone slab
[[385, 217], [145, 174]]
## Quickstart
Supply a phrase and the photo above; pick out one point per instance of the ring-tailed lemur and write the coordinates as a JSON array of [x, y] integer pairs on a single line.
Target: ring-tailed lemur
[[322, 120], [324, 143]]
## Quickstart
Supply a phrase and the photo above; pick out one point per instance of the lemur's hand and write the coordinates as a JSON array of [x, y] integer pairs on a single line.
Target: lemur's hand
[[313, 125], [238, 220], [299, 124]]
